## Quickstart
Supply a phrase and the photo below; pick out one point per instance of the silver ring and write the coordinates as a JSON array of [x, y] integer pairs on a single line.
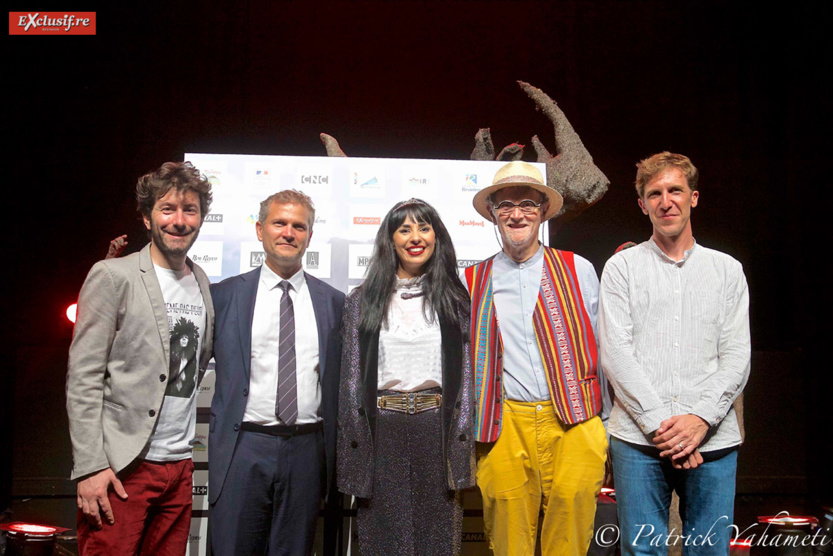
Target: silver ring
[[681, 446]]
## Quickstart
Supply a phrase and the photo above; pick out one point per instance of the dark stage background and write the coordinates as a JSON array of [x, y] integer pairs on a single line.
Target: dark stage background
[[741, 90]]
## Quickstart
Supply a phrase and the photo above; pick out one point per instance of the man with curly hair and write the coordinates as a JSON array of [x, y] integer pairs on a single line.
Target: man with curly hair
[[144, 328]]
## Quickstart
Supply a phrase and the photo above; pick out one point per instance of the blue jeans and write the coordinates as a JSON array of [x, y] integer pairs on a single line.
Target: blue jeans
[[644, 483]]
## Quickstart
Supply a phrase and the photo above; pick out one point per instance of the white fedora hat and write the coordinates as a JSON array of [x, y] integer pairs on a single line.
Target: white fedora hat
[[518, 174]]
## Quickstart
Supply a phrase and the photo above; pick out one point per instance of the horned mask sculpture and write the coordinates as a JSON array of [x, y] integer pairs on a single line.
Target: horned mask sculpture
[[570, 171]]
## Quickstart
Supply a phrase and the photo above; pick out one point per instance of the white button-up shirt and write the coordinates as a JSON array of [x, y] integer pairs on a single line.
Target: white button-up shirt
[[674, 339], [263, 382]]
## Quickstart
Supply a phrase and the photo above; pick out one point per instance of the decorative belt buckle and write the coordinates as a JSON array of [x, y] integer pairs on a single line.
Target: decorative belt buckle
[[410, 403]]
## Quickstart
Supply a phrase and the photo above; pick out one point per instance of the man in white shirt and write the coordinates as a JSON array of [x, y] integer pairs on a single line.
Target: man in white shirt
[[272, 427], [674, 338], [141, 342]]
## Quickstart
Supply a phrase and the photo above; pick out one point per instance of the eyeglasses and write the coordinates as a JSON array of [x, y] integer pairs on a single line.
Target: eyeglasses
[[527, 206]]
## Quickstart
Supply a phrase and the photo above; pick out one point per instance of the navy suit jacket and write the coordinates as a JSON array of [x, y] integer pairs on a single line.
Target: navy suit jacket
[[234, 305]]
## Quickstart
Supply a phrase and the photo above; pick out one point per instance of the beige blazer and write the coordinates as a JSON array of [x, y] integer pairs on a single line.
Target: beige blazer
[[119, 361]]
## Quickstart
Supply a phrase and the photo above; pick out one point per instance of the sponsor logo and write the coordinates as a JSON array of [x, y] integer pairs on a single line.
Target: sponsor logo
[[471, 183], [474, 537], [319, 220], [256, 258], [465, 263], [261, 172], [314, 180], [194, 538], [251, 219], [362, 260], [52, 23], [204, 259], [418, 181], [313, 260], [199, 490], [362, 220], [367, 183], [479, 223], [214, 218], [202, 389]]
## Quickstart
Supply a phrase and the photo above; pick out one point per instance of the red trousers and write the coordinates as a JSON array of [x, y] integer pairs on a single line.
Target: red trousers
[[154, 520]]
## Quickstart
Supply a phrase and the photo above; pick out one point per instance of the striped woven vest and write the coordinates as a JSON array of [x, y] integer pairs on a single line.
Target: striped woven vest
[[565, 341]]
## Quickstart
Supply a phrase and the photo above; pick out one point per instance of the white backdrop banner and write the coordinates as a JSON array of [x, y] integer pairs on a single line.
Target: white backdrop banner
[[351, 197]]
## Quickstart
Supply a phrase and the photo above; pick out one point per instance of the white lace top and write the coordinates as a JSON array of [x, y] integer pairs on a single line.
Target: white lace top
[[410, 348]]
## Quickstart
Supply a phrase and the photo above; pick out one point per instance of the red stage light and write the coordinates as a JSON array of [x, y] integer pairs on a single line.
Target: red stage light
[[795, 521], [32, 529], [71, 310], [29, 539]]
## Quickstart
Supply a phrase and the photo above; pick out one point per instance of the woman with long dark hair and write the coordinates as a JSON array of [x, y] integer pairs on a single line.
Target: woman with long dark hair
[[405, 447]]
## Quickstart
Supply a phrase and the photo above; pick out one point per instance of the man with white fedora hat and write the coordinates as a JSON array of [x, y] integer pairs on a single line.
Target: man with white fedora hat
[[541, 444]]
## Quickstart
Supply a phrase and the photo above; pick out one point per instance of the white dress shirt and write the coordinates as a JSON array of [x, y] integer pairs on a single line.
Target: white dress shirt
[[674, 339], [263, 382]]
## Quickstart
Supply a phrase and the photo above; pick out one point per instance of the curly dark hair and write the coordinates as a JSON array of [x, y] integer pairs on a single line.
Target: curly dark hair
[[181, 176]]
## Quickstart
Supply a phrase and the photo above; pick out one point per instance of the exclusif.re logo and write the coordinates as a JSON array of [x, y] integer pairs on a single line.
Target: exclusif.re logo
[[52, 23]]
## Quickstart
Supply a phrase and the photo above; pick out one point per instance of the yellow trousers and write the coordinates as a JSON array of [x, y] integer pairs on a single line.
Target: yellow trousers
[[539, 464]]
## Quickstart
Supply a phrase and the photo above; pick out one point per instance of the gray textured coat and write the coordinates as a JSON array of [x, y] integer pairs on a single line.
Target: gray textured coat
[[357, 406], [119, 361]]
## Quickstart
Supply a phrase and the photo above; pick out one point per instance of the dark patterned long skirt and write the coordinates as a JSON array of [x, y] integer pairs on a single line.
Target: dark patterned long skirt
[[412, 512]]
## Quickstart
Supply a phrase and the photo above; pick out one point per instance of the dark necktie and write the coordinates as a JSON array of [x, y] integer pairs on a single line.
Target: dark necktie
[[286, 407]]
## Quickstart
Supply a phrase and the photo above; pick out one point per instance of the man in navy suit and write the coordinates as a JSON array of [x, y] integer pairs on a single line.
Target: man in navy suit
[[272, 435]]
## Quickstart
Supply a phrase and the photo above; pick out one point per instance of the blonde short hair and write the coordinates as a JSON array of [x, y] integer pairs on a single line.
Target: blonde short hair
[[651, 167], [285, 197]]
